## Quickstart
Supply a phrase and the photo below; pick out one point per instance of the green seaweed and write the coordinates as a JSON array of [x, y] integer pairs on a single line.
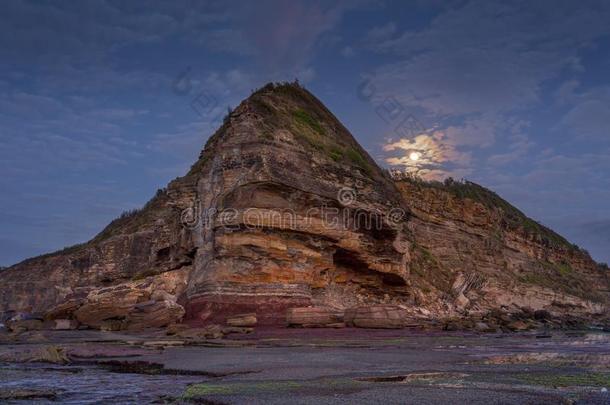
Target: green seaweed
[[566, 380], [195, 391]]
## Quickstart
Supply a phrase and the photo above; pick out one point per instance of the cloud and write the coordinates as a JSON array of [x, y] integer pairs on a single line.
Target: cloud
[[594, 235], [62, 134], [519, 144], [87, 31], [185, 142], [380, 34], [286, 36], [589, 115], [347, 51], [599, 230], [11, 250], [478, 64], [227, 40], [431, 151]]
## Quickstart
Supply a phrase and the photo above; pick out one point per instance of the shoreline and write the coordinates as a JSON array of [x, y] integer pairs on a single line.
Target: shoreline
[[323, 366]]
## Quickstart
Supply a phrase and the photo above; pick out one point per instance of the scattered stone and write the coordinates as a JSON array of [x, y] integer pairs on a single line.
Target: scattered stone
[[483, 327], [313, 317], [176, 328], [65, 324], [208, 332], [227, 330], [242, 320], [18, 326], [112, 325], [22, 316], [518, 326]]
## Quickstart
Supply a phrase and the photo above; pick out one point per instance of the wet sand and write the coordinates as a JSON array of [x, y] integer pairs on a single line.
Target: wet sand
[[308, 366]]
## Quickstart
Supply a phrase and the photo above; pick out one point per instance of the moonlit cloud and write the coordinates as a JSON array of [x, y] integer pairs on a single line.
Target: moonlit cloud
[[432, 150]]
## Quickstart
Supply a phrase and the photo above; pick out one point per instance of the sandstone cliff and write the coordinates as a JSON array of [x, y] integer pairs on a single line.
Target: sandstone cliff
[[284, 209]]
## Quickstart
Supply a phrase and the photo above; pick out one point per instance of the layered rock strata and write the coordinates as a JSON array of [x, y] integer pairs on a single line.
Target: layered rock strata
[[284, 209]]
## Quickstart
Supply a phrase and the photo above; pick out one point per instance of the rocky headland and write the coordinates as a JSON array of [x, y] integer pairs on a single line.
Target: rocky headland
[[285, 220]]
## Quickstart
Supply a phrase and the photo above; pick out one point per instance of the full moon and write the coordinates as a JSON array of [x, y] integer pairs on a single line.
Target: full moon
[[414, 156]]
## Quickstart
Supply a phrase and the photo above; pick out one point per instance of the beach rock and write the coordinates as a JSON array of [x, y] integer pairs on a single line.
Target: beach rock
[[213, 331], [313, 317], [109, 304], [484, 327], [227, 330], [112, 325], [242, 320], [24, 325], [43, 354], [175, 328], [518, 326], [376, 316], [65, 324], [64, 310], [154, 314], [25, 394]]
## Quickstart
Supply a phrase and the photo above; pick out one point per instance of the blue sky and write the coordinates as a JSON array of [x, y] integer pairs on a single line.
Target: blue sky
[[104, 102]]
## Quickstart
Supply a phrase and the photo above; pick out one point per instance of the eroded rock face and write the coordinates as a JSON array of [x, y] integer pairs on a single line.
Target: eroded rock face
[[146, 303], [154, 314], [469, 251], [290, 234], [284, 209], [110, 303]]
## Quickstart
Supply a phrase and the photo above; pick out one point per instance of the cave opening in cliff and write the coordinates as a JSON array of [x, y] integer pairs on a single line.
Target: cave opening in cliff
[[351, 261]]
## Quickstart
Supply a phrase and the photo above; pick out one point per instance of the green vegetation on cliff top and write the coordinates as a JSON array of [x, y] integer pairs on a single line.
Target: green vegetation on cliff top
[[512, 217], [290, 106]]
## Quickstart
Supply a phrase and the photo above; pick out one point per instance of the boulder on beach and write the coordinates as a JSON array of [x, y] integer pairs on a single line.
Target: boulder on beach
[[154, 314], [242, 320], [376, 316], [313, 317]]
